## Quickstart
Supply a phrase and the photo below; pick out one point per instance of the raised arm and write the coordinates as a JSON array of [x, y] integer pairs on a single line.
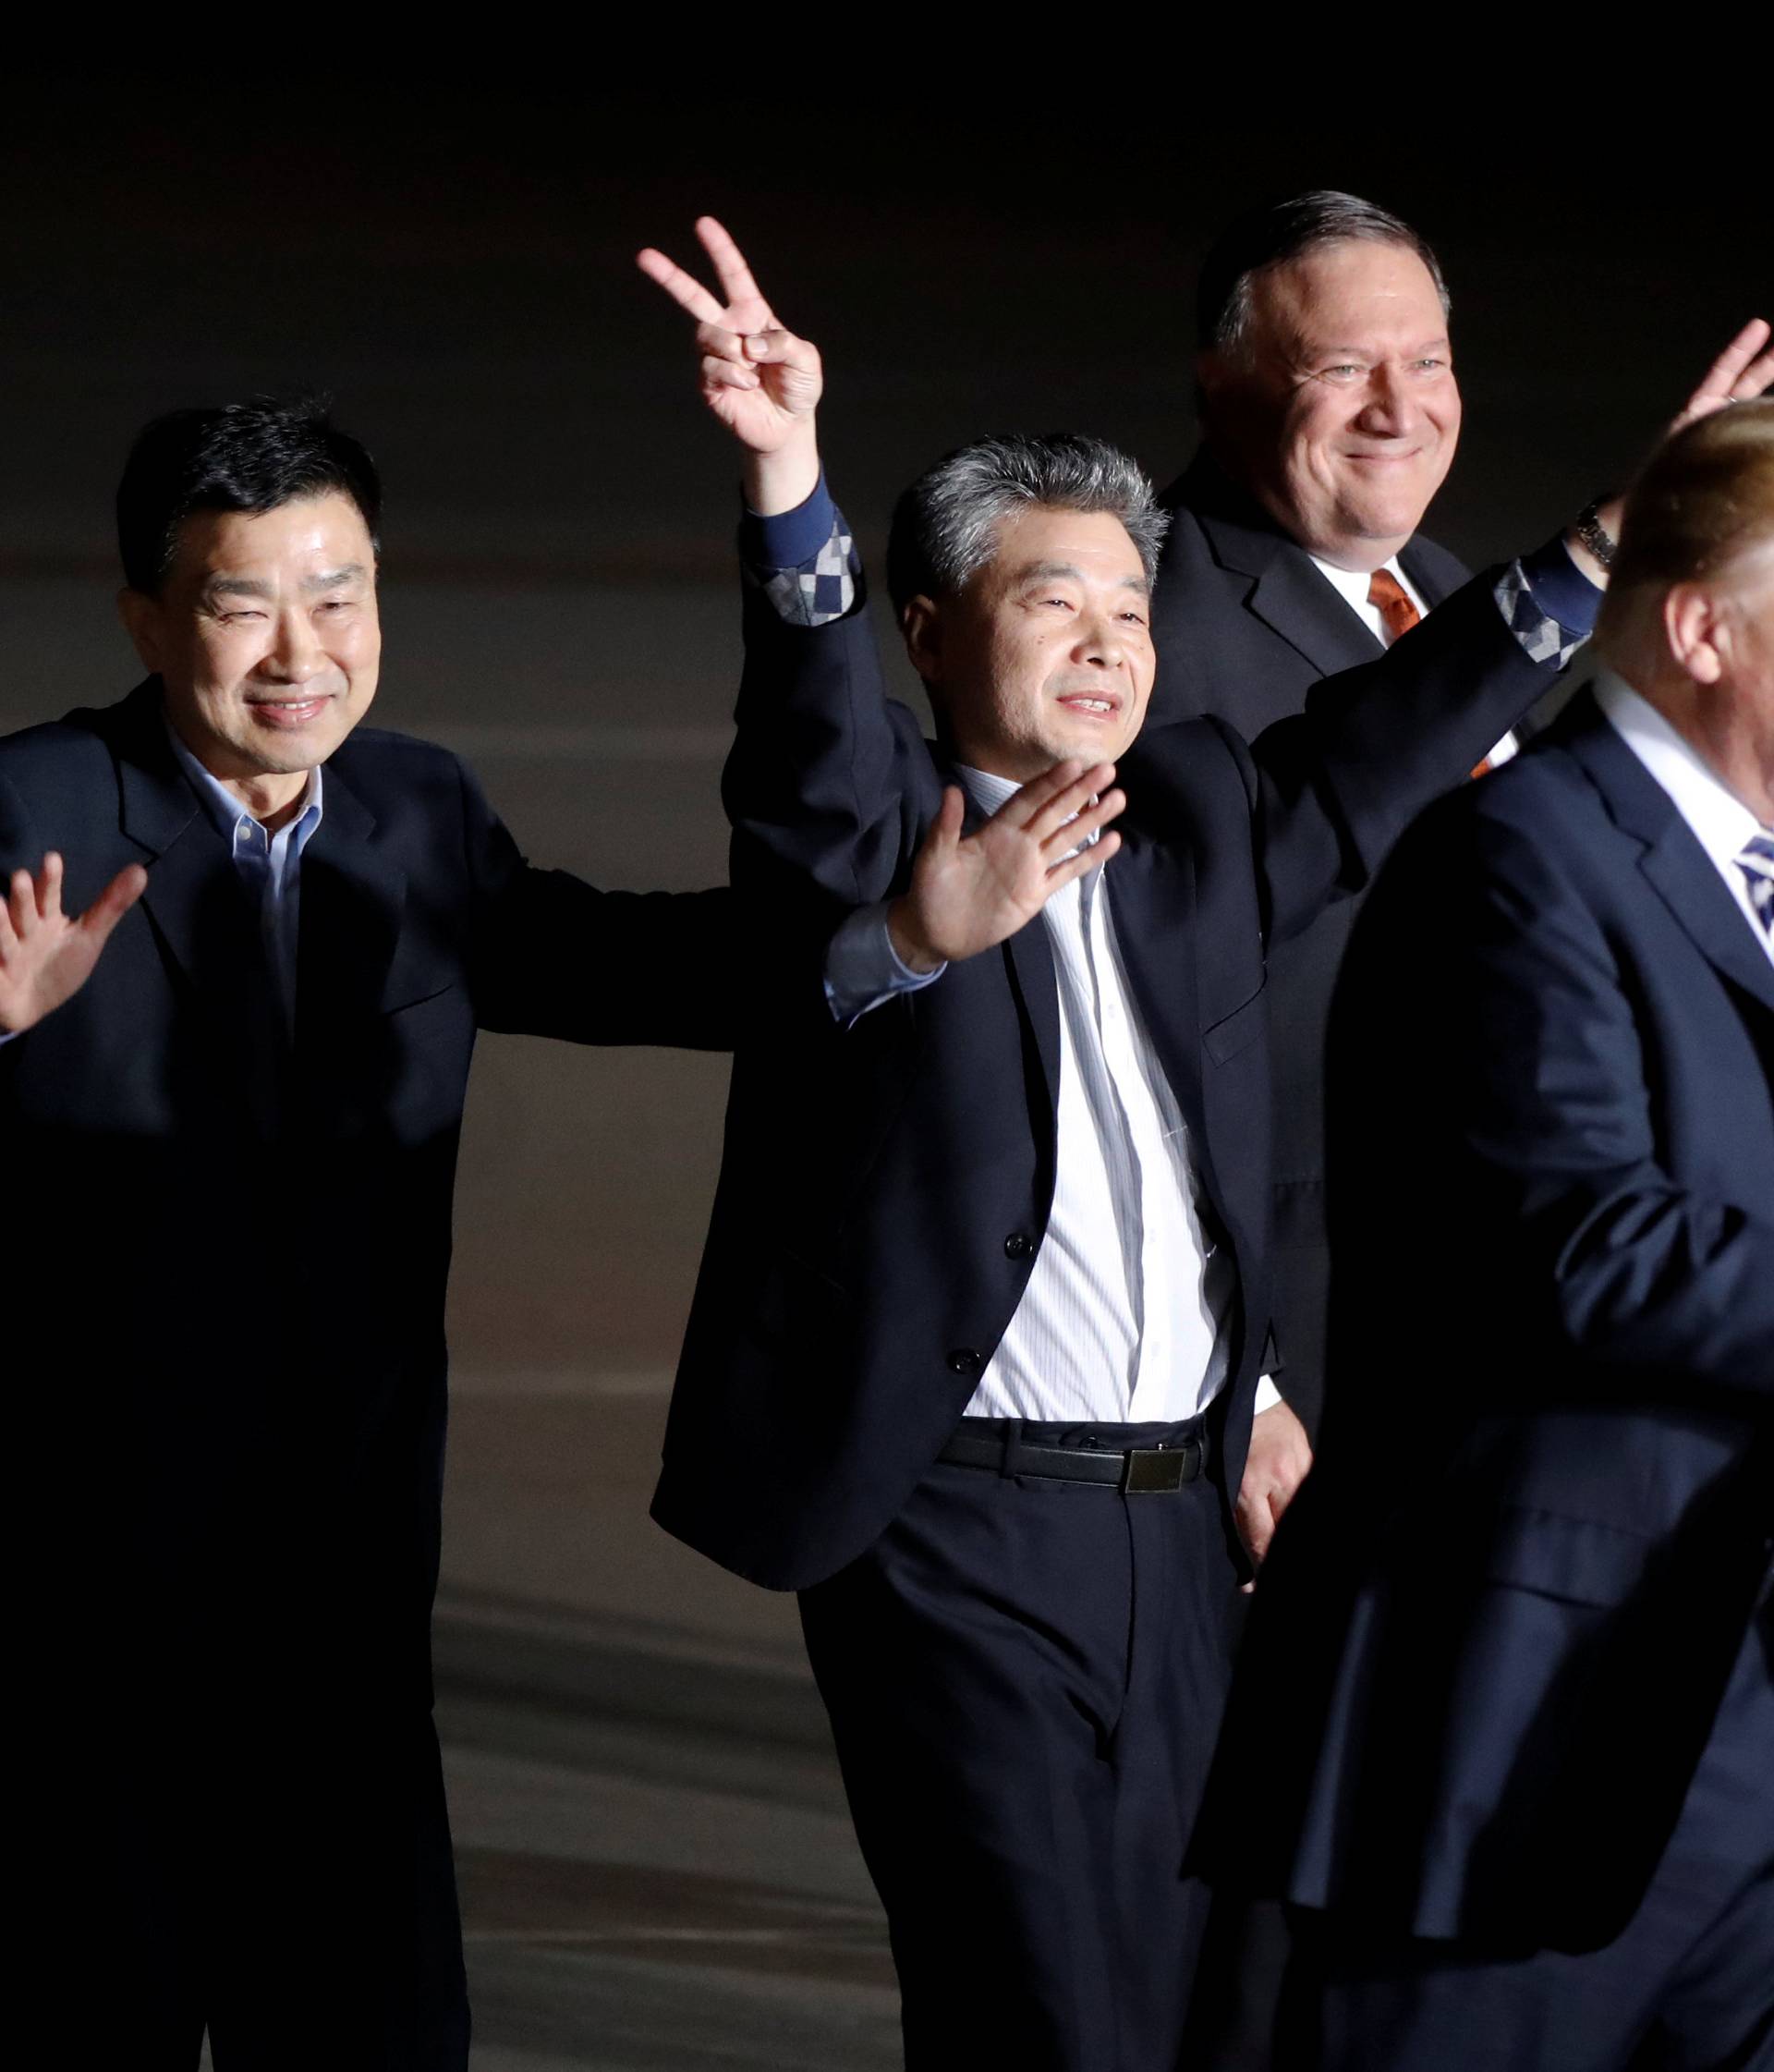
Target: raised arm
[[830, 776]]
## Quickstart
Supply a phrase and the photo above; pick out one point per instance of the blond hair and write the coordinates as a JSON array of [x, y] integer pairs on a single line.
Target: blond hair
[[1704, 497]]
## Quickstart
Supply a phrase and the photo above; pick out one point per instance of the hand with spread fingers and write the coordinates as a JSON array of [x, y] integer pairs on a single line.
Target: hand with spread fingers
[[1742, 372], [47, 955], [971, 891], [761, 379]]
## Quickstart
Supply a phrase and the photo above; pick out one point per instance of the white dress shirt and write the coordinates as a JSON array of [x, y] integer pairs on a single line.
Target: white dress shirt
[[1124, 1316], [1124, 1319], [1721, 823]]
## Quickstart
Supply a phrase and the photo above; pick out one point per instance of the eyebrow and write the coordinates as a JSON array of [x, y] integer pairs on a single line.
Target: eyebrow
[[1313, 350], [249, 586], [1048, 572]]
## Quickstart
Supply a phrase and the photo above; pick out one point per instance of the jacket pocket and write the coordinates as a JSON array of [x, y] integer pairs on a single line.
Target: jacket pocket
[[1575, 1559], [1237, 1031]]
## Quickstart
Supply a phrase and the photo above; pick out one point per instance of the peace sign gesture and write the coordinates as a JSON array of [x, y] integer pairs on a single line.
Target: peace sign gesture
[[761, 381]]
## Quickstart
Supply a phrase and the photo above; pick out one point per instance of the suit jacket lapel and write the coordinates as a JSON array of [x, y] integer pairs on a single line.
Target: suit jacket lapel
[[1673, 862], [353, 901], [198, 906], [1428, 586], [1289, 596]]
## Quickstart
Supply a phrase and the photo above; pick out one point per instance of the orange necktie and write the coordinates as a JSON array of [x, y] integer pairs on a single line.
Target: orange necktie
[[1386, 595]]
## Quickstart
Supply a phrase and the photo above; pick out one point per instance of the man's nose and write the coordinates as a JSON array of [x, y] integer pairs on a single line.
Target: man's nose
[[1101, 642], [295, 653], [1389, 409]]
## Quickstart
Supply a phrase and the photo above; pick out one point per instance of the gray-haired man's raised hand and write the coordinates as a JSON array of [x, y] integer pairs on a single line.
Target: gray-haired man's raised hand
[[47, 955], [969, 892], [761, 379]]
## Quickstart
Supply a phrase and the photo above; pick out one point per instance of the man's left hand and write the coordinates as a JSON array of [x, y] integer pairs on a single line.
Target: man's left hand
[[1742, 372], [1280, 1456]]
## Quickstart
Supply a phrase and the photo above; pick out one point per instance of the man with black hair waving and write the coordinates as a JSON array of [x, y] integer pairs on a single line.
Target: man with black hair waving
[[244, 1061]]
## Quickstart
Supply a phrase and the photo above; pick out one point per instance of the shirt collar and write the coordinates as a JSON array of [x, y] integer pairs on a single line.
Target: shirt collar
[[1720, 822], [986, 792], [225, 810], [1352, 584]]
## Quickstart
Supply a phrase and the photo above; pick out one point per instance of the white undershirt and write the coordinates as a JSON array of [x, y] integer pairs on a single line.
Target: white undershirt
[[1721, 823], [1351, 585]]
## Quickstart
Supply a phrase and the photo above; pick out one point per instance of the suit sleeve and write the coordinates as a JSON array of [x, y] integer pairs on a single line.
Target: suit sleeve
[[552, 955], [830, 782], [1332, 787], [1667, 1288]]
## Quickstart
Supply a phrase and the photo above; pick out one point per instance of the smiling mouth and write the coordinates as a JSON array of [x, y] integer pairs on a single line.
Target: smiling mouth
[[1091, 707], [287, 711]]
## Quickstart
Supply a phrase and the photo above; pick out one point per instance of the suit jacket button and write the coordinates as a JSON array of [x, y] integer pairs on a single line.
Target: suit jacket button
[[1018, 1245], [965, 1361]]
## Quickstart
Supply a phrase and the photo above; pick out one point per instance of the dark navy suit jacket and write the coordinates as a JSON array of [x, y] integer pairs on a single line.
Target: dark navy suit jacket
[[1494, 1628], [885, 1189], [1246, 626], [235, 1242]]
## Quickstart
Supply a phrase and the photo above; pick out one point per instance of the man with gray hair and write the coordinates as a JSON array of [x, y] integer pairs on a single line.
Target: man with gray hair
[[984, 1311]]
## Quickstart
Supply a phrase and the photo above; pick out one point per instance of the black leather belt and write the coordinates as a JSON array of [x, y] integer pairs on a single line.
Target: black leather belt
[[1139, 1470]]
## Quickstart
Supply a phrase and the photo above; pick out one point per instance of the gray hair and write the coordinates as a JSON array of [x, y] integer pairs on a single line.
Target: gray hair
[[1272, 236], [945, 526]]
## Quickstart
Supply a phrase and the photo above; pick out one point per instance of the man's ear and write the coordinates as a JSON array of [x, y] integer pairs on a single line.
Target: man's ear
[[1694, 627], [141, 621], [921, 622]]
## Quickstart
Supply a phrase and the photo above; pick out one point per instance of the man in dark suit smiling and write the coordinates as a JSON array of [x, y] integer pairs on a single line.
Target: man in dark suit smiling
[[230, 1096], [984, 1311]]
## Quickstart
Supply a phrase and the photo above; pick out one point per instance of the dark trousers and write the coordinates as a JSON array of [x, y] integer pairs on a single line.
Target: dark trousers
[[1687, 1987], [1025, 1679], [292, 1895]]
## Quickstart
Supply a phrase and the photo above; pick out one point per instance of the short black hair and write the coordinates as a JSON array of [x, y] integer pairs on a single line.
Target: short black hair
[[1279, 231], [234, 456]]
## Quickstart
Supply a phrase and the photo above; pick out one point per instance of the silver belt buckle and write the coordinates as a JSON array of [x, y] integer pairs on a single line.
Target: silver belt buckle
[[1153, 1469]]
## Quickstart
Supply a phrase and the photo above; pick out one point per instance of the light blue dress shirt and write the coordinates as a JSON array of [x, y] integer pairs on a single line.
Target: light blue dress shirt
[[270, 865]]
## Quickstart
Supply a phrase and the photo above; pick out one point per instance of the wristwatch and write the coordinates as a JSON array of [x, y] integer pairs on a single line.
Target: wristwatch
[[1590, 530]]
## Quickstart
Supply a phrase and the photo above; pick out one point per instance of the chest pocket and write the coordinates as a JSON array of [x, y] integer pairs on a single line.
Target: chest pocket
[[1237, 1031]]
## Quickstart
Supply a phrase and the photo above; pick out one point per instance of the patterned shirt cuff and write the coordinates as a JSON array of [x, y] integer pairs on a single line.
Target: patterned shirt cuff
[[805, 560], [1547, 603], [863, 969]]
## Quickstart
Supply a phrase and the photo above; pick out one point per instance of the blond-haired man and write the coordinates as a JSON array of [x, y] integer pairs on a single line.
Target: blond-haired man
[[1521, 1789]]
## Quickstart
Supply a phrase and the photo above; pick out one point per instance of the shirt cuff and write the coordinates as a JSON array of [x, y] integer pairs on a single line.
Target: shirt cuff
[[1268, 1394], [1562, 589], [862, 968], [790, 538]]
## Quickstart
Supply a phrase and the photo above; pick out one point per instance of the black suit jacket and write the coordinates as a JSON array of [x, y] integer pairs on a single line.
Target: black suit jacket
[[1496, 1624], [885, 1189], [235, 1243], [1245, 626]]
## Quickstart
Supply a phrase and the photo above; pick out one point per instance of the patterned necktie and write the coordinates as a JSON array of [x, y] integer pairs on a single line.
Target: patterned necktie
[[1756, 860], [1398, 614], [1386, 595]]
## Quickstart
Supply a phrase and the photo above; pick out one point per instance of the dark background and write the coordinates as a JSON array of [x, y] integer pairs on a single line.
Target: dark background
[[655, 1862]]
